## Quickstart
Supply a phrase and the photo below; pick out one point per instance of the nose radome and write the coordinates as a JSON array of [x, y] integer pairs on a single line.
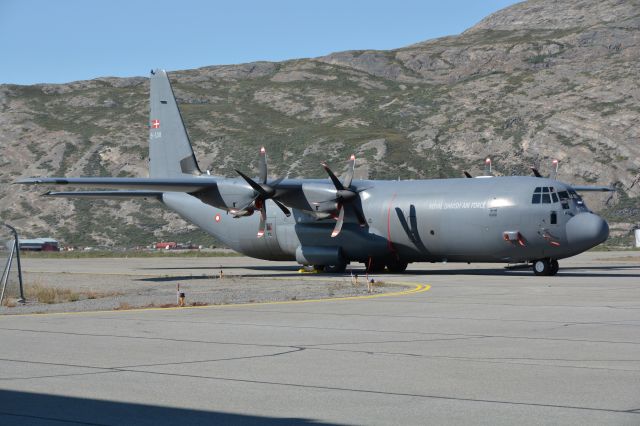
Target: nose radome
[[587, 229]]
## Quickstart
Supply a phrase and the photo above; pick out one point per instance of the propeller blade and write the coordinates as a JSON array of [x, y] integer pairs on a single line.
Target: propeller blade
[[361, 219], [260, 190], [284, 209], [334, 179], [276, 182], [246, 206], [363, 189], [340, 221], [535, 171], [263, 219], [467, 174], [262, 165], [348, 177]]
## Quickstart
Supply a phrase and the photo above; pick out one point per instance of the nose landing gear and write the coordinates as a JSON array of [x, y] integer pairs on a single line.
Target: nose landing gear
[[545, 267]]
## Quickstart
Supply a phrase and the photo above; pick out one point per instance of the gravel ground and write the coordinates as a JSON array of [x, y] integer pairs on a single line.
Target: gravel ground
[[149, 284]]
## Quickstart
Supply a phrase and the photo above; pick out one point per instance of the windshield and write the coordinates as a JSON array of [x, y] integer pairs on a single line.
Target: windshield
[[551, 195], [544, 195]]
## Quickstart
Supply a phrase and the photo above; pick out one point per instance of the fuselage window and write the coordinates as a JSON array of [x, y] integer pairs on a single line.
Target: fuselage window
[[555, 197], [554, 218]]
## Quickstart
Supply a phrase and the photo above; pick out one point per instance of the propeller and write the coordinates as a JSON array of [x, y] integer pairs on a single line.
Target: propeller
[[264, 191], [346, 197]]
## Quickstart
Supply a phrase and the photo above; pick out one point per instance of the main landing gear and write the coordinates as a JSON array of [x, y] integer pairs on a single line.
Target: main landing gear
[[372, 267], [545, 267], [333, 269]]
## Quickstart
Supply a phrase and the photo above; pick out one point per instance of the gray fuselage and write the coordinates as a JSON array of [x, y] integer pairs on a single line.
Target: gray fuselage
[[490, 219]]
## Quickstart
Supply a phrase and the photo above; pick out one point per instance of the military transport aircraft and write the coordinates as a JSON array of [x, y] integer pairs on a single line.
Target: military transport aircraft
[[329, 223]]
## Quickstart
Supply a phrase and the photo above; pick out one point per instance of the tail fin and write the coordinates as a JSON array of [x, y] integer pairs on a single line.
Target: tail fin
[[170, 152]]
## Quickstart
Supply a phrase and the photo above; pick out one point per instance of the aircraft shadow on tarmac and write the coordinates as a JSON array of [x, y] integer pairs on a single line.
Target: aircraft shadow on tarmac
[[625, 271], [591, 271], [20, 408], [213, 267], [170, 278]]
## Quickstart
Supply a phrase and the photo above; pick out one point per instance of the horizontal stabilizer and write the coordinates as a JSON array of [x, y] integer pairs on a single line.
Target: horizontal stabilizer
[[181, 184], [593, 189], [116, 195]]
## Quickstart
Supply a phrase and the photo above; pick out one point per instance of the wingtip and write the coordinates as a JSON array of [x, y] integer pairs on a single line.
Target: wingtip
[[353, 157], [25, 181], [262, 150]]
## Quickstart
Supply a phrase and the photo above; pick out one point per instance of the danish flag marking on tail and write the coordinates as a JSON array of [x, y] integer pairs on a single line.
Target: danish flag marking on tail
[[155, 124]]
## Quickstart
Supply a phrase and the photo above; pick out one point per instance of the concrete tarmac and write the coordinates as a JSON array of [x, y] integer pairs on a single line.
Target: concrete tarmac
[[481, 346]]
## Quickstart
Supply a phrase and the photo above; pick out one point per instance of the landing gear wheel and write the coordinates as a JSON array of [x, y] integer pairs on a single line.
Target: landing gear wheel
[[335, 269], [397, 267], [542, 267], [554, 267]]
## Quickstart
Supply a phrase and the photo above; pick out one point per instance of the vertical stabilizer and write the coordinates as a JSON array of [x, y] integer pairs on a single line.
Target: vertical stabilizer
[[170, 152]]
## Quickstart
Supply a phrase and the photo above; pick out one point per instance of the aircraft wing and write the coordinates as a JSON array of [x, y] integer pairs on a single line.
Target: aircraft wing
[[593, 189], [181, 184], [116, 195]]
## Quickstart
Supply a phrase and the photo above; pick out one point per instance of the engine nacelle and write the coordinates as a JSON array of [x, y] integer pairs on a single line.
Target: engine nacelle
[[321, 198], [228, 195]]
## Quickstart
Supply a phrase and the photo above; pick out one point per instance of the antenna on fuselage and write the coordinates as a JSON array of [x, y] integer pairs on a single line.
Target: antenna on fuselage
[[535, 171], [487, 167]]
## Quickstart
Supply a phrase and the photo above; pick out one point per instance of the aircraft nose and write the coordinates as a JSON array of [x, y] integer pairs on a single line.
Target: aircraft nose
[[587, 230]]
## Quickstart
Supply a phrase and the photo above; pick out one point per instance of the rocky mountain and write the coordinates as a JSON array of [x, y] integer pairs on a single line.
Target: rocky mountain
[[539, 80]]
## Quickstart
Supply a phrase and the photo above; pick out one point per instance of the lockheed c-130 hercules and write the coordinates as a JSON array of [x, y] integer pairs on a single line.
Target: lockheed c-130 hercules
[[330, 223]]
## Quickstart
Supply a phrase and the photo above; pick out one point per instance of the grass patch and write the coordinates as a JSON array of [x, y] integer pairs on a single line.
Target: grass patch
[[10, 302], [50, 295]]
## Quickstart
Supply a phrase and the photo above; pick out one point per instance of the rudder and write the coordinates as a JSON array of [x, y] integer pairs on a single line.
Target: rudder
[[170, 151]]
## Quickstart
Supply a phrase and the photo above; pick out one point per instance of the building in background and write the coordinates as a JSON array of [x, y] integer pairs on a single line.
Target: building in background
[[39, 244]]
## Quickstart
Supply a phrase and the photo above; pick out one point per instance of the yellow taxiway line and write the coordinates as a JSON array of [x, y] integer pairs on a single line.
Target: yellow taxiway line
[[416, 288]]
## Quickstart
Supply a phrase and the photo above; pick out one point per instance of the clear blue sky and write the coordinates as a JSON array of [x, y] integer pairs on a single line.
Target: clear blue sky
[[57, 41]]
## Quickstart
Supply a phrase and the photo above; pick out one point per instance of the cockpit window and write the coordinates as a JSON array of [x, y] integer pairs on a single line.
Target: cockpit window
[[544, 195], [574, 196]]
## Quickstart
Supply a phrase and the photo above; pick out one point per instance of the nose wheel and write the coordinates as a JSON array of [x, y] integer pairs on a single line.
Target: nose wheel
[[545, 267]]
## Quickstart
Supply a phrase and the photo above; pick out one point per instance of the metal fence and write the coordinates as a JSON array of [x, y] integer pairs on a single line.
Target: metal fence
[[11, 285]]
